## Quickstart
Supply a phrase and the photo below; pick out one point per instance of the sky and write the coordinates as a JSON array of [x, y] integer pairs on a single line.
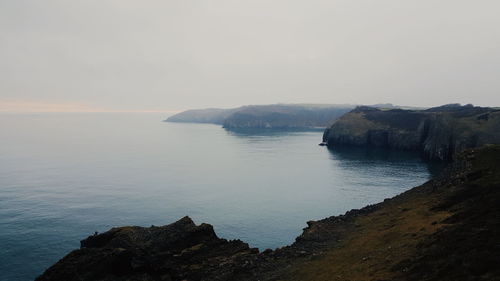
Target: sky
[[171, 55]]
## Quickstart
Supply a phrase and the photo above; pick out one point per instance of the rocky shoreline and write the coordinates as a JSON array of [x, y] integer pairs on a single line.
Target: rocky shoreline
[[427, 233], [186, 251]]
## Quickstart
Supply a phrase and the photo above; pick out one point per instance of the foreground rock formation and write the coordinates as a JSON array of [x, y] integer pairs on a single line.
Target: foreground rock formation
[[446, 229], [438, 133]]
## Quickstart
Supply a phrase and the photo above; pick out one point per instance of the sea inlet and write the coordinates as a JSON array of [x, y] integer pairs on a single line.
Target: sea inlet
[[65, 176]]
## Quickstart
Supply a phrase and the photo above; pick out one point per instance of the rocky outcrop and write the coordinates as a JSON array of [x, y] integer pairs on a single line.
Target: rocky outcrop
[[185, 251], [438, 133], [179, 251]]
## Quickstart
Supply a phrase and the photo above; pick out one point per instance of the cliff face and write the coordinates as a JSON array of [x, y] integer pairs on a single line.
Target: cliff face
[[447, 229], [439, 133]]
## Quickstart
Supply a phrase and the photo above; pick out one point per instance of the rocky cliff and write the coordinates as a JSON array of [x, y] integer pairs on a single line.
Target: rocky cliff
[[446, 229], [439, 133]]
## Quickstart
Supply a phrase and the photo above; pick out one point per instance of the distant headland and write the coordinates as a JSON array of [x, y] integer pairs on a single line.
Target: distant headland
[[445, 229], [438, 133], [274, 116]]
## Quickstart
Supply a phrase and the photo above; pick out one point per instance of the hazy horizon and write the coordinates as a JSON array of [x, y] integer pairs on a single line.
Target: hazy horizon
[[169, 56]]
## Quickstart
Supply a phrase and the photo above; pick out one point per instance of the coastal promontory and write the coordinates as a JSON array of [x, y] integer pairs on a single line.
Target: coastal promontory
[[276, 116], [439, 133]]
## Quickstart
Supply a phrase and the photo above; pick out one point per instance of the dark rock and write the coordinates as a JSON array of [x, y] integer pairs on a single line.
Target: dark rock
[[181, 250]]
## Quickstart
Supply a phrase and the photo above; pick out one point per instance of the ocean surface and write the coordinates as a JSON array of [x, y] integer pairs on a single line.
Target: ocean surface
[[65, 176]]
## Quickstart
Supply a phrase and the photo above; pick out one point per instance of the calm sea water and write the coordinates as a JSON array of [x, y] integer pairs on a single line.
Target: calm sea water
[[65, 176]]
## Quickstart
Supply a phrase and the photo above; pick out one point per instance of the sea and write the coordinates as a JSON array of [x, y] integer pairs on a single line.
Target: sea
[[64, 176]]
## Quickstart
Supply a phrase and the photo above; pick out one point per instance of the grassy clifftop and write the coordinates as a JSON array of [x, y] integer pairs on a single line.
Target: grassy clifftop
[[446, 229]]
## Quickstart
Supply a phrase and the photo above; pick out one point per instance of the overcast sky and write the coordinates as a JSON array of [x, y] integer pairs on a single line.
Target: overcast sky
[[174, 55]]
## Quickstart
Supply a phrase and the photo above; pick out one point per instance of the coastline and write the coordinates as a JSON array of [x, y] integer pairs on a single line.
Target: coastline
[[390, 240]]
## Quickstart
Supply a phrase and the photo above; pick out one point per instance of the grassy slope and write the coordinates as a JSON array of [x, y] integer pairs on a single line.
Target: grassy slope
[[446, 229]]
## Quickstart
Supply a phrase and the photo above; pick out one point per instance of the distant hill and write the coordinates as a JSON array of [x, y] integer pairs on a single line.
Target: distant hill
[[284, 116], [278, 116], [274, 116], [439, 132], [209, 115]]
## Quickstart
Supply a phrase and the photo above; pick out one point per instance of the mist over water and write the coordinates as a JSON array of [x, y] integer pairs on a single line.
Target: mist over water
[[65, 176]]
